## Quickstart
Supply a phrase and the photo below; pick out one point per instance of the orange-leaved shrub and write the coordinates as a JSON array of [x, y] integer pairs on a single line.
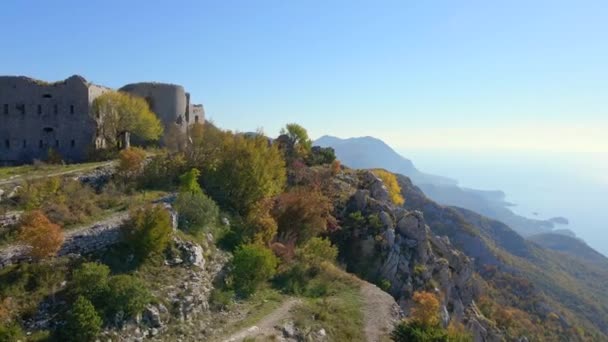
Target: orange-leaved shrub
[[37, 231]]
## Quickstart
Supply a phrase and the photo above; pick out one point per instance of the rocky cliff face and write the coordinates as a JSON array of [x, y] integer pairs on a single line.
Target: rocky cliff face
[[404, 255]]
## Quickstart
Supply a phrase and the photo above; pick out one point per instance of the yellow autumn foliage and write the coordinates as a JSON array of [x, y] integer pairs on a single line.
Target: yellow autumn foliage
[[390, 181]]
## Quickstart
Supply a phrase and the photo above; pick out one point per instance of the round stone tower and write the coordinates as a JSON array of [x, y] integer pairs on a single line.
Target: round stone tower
[[168, 101]]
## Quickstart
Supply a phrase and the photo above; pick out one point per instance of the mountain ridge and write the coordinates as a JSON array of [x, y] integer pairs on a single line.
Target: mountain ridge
[[370, 152]]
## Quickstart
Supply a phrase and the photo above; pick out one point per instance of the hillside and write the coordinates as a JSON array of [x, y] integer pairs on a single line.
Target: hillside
[[165, 251], [369, 152], [569, 245], [521, 274]]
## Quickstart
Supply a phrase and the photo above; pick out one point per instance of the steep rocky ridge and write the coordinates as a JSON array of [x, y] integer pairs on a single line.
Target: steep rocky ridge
[[547, 281], [405, 255]]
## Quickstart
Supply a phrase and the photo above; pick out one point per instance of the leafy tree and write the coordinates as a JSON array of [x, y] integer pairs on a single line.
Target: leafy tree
[[120, 115], [83, 322], [163, 171], [149, 230], [126, 294], [321, 155], [318, 250], [242, 170], [44, 237], [390, 181], [298, 139], [196, 211], [188, 182], [251, 266], [131, 162], [426, 308], [302, 213], [90, 280], [261, 226], [424, 324]]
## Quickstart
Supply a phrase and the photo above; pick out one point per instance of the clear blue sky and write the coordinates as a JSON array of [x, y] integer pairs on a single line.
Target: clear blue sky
[[420, 74]]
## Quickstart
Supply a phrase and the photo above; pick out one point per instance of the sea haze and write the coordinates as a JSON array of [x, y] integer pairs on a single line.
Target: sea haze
[[539, 185]]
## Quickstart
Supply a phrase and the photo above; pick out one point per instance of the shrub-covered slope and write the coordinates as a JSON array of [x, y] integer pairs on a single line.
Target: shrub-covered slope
[[564, 293]]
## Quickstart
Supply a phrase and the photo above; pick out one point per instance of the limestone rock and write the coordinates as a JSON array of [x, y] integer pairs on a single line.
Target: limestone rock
[[376, 187], [412, 226], [151, 317], [191, 253], [386, 220]]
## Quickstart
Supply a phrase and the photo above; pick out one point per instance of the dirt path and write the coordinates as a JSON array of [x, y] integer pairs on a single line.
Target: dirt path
[[19, 178], [380, 312], [265, 327]]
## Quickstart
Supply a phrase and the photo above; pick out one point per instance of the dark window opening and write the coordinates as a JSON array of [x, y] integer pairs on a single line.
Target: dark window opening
[[196, 118], [24, 143], [39, 109], [47, 96], [40, 144], [56, 143], [21, 108], [5, 108], [55, 109], [71, 109], [7, 143], [73, 143], [48, 129]]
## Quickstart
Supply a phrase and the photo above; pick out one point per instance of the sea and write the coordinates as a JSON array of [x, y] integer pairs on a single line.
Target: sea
[[540, 185]]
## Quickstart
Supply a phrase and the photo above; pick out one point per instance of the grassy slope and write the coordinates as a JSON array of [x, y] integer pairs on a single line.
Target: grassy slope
[[29, 171]]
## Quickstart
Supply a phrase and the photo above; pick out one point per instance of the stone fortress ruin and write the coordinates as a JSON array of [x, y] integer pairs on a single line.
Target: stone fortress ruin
[[36, 116]]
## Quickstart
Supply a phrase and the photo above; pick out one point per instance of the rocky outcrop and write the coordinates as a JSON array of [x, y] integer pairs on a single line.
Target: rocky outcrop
[[407, 254], [482, 329]]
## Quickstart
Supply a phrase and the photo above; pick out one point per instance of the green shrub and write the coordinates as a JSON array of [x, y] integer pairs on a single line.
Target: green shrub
[[419, 269], [149, 230], [162, 171], [294, 280], [91, 280], [221, 299], [316, 251], [252, 265], [83, 322], [413, 331], [10, 332], [196, 211], [188, 182], [385, 285], [126, 294]]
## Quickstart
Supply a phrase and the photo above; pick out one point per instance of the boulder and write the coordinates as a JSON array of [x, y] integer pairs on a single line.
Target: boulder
[[376, 187], [151, 317], [289, 329], [191, 253], [389, 237], [361, 197], [386, 220], [412, 226]]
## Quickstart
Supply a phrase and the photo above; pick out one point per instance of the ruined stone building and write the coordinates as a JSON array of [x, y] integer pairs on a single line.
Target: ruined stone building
[[36, 116]]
